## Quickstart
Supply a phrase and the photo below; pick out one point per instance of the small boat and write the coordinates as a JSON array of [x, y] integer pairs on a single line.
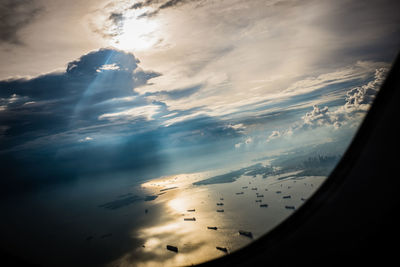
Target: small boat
[[245, 187], [246, 233], [240, 193], [290, 207], [278, 192], [172, 248], [193, 210], [221, 198], [189, 219], [303, 199], [220, 204], [254, 188], [264, 205], [222, 249], [266, 189], [220, 210], [212, 227], [259, 200], [260, 195], [286, 197]]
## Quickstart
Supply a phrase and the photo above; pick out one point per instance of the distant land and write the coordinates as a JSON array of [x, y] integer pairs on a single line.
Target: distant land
[[311, 166], [234, 175]]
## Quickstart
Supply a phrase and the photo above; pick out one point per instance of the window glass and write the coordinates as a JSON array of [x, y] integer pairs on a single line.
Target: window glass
[[173, 132]]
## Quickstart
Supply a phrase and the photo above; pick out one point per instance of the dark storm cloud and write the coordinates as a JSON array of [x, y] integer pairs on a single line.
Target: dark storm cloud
[[14, 16], [49, 103], [51, 129]]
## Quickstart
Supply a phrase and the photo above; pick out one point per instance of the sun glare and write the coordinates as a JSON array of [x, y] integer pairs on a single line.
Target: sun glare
[[137, 34]]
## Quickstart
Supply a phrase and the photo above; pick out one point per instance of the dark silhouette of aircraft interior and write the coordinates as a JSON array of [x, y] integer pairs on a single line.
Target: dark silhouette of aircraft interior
[[352, 218]]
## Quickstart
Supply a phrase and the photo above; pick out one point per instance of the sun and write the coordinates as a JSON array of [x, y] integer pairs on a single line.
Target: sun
[[137, 34]]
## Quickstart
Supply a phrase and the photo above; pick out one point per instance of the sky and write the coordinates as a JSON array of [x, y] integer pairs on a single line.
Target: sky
[[163, 86]]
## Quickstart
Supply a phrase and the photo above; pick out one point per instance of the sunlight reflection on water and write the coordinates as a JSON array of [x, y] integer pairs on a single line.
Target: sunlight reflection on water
[[195, 242]]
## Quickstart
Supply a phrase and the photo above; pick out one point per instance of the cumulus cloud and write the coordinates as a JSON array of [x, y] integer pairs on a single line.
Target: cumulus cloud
[[318, 117], [357, 102], [360, 98]]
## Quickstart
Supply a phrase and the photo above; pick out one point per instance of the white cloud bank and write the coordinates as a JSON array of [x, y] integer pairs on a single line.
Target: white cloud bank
[[357, 102]]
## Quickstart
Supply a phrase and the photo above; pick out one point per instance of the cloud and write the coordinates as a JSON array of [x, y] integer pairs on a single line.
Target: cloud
[[318, 117], [357, 102], [116, 18], [360, 98], [173, 3], [213, 76], [86, 139], [240, 127], [174, 94], [274, 135], [247, 141], [16, 15], [147, 112], [162, 5], [90, 119], [61, 101], [238, 145], [108, 67]]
